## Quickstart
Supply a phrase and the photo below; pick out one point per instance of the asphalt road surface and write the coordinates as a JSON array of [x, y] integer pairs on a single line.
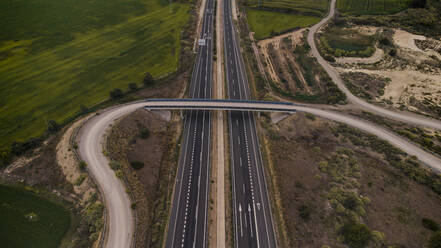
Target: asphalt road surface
[[188, 218], [253, 224], [405, 117]]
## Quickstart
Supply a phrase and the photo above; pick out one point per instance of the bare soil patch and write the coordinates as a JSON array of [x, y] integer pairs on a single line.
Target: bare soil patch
[[328, 175], [293, 73], [152, 184], [413, 67]]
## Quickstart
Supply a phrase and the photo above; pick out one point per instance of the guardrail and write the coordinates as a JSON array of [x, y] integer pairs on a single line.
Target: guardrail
[[220, 108], [218, 100]]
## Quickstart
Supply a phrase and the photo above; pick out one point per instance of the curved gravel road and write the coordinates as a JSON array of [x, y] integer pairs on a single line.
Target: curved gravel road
[[120, 221], [406, 117]]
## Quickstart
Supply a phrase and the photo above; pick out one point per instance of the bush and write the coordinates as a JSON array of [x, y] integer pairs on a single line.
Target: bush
[[356, 235], [116, 94], [351, 202], [144, 133], [114, 165], [5, 157], [82, 165], [132, 86], [148, 79], [52, 126], [137, 165], [430, 224], [304, 212], [435, 240], [80, 179]]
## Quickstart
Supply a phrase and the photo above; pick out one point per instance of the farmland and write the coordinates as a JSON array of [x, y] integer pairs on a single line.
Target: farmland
[[306, 7], [30, 221], [58, 55], [372, 7], [275, 17], [268, 23]]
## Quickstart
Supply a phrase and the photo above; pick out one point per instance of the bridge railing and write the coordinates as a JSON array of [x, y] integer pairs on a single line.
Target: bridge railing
[[216, 100]]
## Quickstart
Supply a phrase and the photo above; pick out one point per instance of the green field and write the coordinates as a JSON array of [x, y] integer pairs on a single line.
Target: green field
[[278, 16], [18, 230], [372, 7], [338, 41], [305, 7], [56, 55], [268, 23]]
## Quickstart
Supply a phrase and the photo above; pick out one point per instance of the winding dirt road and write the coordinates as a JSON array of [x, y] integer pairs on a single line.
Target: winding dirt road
[[405, 117], [120, 221]]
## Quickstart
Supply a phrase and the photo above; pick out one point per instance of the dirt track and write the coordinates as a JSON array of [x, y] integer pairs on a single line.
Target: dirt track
[[396, 115]]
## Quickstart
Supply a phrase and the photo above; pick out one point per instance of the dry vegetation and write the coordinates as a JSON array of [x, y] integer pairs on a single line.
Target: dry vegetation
[[332, 181], [143, 146], [293, 73], [405, 75]]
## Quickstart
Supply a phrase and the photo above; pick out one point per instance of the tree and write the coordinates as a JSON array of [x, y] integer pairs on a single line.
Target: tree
[[5, 157], [132, 86], [52, 126], [144, 133], [435, 240], [430, 224], [419, 3], [137, 165], [83, 109], [116, 94], [356, 235], [304, 212], [148, 79]]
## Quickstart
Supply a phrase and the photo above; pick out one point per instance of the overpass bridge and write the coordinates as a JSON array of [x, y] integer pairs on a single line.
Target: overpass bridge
[[220, 104]]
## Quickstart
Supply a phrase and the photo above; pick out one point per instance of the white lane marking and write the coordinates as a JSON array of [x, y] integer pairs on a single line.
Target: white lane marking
[[240, 216], [251, 224]]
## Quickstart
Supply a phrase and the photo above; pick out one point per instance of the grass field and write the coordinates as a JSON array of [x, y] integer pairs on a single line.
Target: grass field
[[305, 7], [45, 230], [58, 54], [339, 41], [276, 16], [267, 23], [372, 7]]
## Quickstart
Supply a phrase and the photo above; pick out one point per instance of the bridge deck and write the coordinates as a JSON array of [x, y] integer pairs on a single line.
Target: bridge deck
[[218, 104]]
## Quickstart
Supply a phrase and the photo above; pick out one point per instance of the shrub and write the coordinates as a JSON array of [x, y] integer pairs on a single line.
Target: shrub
[[5, 157], [435, 240], [80, 179], [116, 94], [304, 212], [114, 165], [52, 126], [132, 86], [137, 165], [378, 237], [148, 79], [310, 116], [356, 235], [144, 133], [430, 224], [351, 202], [82, 165]]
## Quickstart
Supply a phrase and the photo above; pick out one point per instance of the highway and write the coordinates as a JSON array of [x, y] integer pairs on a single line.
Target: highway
[[188, 217], [405, 117], [253, 224]]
